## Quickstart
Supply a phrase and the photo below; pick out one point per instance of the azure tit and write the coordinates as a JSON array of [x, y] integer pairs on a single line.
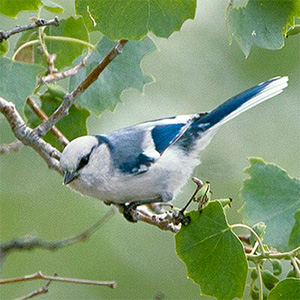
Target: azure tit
[[150, 162]]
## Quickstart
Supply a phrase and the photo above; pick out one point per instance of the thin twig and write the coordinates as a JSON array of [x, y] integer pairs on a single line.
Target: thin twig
[[273, 255], [68, 73], [4, 35], [69, 99], [31, 242], [254, 233], [42, 116], [40, 291], [50, 57], [12, 147], [39, 275]]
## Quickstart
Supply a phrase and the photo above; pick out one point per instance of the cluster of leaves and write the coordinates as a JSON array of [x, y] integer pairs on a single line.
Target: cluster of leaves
[[214, 254], [98, 22]]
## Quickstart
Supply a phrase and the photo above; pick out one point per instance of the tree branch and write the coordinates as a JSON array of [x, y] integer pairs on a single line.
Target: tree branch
[[69, 98], [165, 221], [40, 291], [68, 73], [31, 242], [42, 116], [4, 35], [28, 136], [39, 275]]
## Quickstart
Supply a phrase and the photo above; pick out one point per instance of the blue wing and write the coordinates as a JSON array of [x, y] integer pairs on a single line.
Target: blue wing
[[135, 149]]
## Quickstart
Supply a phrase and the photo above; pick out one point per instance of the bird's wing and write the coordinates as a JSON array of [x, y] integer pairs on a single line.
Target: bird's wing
[[135, 149]]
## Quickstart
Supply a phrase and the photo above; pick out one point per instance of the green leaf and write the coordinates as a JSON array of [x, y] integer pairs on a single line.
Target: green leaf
[[213, 254], [287, 289], [271, 196], [277, 266], [295, 234], [66, 51], [72, 126], [269, 279], [12, 8], [17, 81], [122, 73], [3, 47], [133, 19], [261, 22], [52, 6]]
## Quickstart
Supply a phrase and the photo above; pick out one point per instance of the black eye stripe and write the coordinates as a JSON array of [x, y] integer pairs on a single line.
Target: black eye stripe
[[84, 160]]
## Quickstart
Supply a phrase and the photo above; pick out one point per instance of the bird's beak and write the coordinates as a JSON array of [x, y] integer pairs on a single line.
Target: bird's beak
[[70, 176]]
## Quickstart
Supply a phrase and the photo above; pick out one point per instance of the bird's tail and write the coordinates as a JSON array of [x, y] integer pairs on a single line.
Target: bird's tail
[[242, 102], [203, 127]]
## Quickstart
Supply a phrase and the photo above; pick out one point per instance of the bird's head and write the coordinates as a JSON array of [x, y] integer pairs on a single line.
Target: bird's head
[[76, 156]]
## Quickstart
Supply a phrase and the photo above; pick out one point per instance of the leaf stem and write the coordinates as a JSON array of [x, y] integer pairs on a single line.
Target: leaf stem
[[263, 252], [274, 255], [54, 38], [261, 287], [70, 40], [27, 44]]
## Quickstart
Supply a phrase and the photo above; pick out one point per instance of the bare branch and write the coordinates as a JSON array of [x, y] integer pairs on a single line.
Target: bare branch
[[69, 99], [68, 73], [12, 147], [31, 242], [39, 275], [28, 136], [4, 35], [165, 221], [40, 291], [42, 116]]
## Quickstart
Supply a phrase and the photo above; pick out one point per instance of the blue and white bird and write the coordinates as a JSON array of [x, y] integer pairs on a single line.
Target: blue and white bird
[[150, 162]]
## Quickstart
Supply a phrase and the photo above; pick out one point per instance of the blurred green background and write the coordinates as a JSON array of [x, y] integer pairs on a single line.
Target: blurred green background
[[195, 70]]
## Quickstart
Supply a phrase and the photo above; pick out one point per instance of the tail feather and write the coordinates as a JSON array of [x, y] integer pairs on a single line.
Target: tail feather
[[242, 102]]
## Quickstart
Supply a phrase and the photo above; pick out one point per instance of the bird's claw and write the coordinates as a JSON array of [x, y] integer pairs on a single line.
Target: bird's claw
[[130, 213]]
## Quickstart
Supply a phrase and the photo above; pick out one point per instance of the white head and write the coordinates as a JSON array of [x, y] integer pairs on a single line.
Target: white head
[[76, 156]]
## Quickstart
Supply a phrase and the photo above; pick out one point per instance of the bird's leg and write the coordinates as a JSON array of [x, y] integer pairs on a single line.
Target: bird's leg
[[179, 216], [130, 208]]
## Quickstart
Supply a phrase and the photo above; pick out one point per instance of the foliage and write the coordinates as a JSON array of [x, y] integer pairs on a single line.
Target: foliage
[[123, 73], [10, 72], [136, 18], [207, 246], [213, 253], [261, 22], [272, 197]]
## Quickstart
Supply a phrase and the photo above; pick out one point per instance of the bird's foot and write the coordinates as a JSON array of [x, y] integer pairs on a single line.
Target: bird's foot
[[130, 213], [180, 218]]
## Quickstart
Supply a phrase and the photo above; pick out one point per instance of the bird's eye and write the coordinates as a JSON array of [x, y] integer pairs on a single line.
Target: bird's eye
[[84, 161]]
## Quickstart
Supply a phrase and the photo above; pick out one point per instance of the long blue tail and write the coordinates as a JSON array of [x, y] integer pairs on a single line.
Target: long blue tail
[[242, 102]]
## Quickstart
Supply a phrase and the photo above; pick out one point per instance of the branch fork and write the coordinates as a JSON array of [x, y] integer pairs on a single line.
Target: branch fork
[[4, 35]]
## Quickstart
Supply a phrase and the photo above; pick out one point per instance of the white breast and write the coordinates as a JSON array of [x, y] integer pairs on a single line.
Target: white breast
[[164, 178]]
